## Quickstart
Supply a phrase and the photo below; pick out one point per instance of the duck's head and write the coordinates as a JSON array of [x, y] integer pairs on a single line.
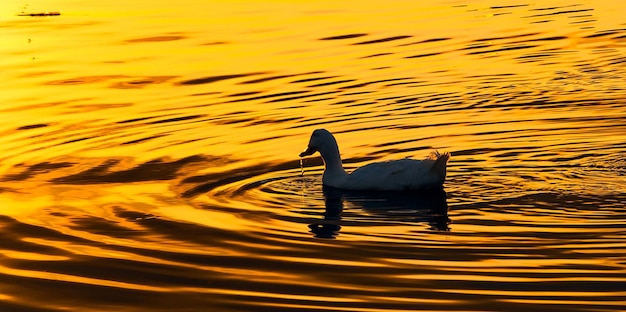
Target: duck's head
[[321, 140]]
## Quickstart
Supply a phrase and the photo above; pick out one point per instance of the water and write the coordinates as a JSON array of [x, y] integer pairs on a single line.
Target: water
[[149, 156]]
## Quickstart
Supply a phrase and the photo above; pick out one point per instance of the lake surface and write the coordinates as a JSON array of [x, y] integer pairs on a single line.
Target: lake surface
[[149, 155]]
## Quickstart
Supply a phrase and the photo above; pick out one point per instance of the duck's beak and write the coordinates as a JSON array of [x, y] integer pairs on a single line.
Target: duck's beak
[[308, 151]]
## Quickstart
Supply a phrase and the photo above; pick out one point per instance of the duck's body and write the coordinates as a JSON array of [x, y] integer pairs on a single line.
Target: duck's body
[[398, 175]]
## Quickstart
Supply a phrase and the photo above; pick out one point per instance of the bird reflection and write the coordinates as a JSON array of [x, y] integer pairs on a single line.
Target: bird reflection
[[426, 206]]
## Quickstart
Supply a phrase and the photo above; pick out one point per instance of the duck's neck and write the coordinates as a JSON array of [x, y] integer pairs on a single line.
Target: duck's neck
[[332, 161]]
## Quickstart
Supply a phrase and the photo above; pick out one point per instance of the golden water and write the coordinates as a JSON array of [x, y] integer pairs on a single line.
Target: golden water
[[148, 155]]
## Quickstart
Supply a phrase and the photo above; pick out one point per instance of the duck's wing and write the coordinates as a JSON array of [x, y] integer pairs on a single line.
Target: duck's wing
[[397, 175]]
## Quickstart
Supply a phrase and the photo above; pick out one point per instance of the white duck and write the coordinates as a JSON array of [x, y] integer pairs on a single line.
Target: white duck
[[397, 175]]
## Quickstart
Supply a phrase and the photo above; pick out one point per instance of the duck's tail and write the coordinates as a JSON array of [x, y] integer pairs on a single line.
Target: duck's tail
[[441, 160]]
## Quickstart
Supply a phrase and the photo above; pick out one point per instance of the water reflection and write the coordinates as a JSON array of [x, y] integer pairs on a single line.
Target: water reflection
[[147, 156], [429, 206]]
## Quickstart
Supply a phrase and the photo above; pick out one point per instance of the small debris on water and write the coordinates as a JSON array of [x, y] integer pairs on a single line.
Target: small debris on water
[[301, 168], [40, 14], [148, 217]]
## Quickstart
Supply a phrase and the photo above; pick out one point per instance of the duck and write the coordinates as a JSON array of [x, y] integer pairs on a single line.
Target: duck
[[396, 175]]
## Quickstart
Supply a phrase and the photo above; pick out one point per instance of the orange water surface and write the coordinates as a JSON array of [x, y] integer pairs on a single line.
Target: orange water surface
[[149, 155]]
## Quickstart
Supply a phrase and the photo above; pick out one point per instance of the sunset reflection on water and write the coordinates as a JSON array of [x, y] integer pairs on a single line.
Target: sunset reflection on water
[[149, 155]]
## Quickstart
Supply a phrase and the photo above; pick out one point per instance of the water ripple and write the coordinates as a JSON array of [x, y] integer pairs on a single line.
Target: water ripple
[[156, 168]]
